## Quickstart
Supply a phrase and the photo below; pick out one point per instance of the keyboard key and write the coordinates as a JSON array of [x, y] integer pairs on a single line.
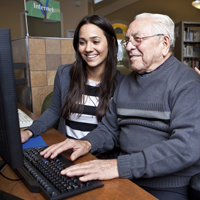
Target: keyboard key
[[54, 194]]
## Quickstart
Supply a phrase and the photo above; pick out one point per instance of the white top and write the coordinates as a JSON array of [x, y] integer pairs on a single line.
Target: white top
[[80, 127]]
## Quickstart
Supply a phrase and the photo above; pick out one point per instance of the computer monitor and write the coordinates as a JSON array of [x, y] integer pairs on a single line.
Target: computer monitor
[[10, 142]]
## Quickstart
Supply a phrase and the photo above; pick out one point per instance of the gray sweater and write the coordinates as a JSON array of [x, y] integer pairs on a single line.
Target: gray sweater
[[52, 114], [155, 119]]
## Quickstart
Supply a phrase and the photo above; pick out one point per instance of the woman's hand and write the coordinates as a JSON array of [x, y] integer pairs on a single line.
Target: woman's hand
[[25, 135]]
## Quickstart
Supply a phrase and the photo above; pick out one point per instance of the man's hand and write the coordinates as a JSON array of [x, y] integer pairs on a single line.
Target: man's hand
[[79, 147], [197, 70], [93, 170], [25, 135]]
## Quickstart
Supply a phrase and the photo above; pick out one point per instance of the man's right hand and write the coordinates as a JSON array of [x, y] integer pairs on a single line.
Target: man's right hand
[[79, 148], [25, 135]]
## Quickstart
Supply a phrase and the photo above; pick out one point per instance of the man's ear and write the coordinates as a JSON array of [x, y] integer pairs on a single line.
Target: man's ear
[[166, 45]]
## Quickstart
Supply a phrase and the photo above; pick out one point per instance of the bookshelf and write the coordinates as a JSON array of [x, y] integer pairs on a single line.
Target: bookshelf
[[187, 45]]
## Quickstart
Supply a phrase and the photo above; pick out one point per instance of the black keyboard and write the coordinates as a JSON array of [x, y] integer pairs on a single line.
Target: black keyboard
[[43, 176]]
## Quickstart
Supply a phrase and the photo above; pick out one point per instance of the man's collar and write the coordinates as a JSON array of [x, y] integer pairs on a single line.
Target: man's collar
[[154, 69]]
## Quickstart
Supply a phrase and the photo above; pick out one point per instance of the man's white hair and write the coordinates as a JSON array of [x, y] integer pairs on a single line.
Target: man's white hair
[[162, 24]]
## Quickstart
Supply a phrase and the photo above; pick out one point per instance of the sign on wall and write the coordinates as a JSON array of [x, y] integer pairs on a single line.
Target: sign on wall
[[118, 30], [46, 9]]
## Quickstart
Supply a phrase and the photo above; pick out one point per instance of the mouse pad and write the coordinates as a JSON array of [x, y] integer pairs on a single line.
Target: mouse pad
[[34, 142]]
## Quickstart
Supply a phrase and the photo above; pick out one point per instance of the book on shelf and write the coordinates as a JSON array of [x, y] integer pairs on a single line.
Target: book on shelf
[[192, 63], [191, 35], [191, 50]]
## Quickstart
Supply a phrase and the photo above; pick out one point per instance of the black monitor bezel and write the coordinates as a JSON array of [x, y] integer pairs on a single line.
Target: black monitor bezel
[[10, 141]]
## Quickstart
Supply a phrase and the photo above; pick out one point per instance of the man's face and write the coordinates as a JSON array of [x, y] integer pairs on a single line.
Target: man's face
[[147, 55]]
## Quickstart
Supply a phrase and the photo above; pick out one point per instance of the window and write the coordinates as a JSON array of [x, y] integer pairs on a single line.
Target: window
[[97, 1]]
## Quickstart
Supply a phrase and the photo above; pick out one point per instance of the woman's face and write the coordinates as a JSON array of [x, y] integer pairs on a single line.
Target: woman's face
[[93, 46]]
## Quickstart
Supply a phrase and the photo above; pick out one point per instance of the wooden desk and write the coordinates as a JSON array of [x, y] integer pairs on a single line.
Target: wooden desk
[[116, 189]]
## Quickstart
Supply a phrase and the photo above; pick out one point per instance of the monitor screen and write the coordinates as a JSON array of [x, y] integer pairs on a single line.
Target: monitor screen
[[10, 142]]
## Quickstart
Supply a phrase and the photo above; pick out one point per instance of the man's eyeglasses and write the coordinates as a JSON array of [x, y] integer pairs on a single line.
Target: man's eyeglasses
[[136, 40]]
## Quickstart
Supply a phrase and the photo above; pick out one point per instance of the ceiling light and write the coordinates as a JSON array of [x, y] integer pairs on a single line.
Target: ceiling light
[[196, 4]]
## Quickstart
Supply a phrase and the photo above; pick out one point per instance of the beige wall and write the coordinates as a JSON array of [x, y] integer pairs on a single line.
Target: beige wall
[[72, 14], [178, 10], [10, 16]]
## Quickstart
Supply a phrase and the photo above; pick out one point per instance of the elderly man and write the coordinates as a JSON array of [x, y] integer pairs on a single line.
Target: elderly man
[[153, 117]]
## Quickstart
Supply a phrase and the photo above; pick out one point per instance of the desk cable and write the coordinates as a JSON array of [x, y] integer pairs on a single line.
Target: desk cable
[[7, 177]]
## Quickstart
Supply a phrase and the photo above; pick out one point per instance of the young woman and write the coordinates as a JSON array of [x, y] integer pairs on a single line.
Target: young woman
[[83, 90]]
